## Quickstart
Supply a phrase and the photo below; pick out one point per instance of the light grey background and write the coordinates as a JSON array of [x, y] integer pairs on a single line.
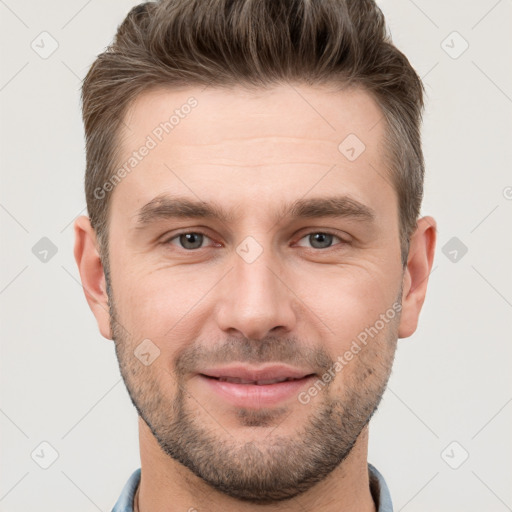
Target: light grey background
[[59, 380]]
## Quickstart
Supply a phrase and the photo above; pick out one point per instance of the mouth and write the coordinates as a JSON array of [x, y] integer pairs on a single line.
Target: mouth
[[263, 376], [244, 386], [261, 382]]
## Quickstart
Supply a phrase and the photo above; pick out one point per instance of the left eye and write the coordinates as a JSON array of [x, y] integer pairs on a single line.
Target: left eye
[[321, 240]]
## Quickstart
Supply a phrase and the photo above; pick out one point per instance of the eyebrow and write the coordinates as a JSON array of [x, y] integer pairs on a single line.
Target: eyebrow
[[165, 207]]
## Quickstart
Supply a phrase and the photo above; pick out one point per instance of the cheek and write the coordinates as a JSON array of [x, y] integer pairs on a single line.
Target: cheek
[[347, 302], [163, 304]]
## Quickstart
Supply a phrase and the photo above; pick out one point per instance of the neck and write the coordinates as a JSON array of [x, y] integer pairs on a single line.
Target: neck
[[167, 485]]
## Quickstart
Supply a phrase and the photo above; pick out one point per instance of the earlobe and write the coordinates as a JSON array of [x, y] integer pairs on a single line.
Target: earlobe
[[91, 273], [415, 280]]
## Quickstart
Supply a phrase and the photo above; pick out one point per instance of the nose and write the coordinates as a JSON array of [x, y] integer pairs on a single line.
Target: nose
[[254, 299]]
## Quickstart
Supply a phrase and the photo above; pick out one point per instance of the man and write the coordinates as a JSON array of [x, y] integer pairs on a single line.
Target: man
[[253, 248]]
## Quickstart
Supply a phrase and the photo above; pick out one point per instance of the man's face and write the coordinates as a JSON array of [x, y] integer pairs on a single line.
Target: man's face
[[233, 305]]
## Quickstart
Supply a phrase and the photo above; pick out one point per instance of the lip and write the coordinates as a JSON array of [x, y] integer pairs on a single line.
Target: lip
[[268, 372], [254, 387]]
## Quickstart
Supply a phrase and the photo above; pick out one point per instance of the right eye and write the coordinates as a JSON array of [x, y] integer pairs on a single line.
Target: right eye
[[188, 240]]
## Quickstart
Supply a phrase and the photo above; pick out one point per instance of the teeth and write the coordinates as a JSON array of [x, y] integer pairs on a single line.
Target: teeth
[[236, 380]]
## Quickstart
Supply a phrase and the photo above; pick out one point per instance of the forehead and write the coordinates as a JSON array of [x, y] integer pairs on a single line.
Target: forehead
[[247, 145], [291, 110]]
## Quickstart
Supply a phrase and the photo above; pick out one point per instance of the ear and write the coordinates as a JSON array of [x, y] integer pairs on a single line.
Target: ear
[[91, 273], [419, 265]]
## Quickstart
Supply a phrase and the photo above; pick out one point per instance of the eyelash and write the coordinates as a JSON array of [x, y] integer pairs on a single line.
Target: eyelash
[[333, 247]]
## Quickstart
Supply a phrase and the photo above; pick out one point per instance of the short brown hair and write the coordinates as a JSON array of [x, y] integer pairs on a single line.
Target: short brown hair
[[254, 43]]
